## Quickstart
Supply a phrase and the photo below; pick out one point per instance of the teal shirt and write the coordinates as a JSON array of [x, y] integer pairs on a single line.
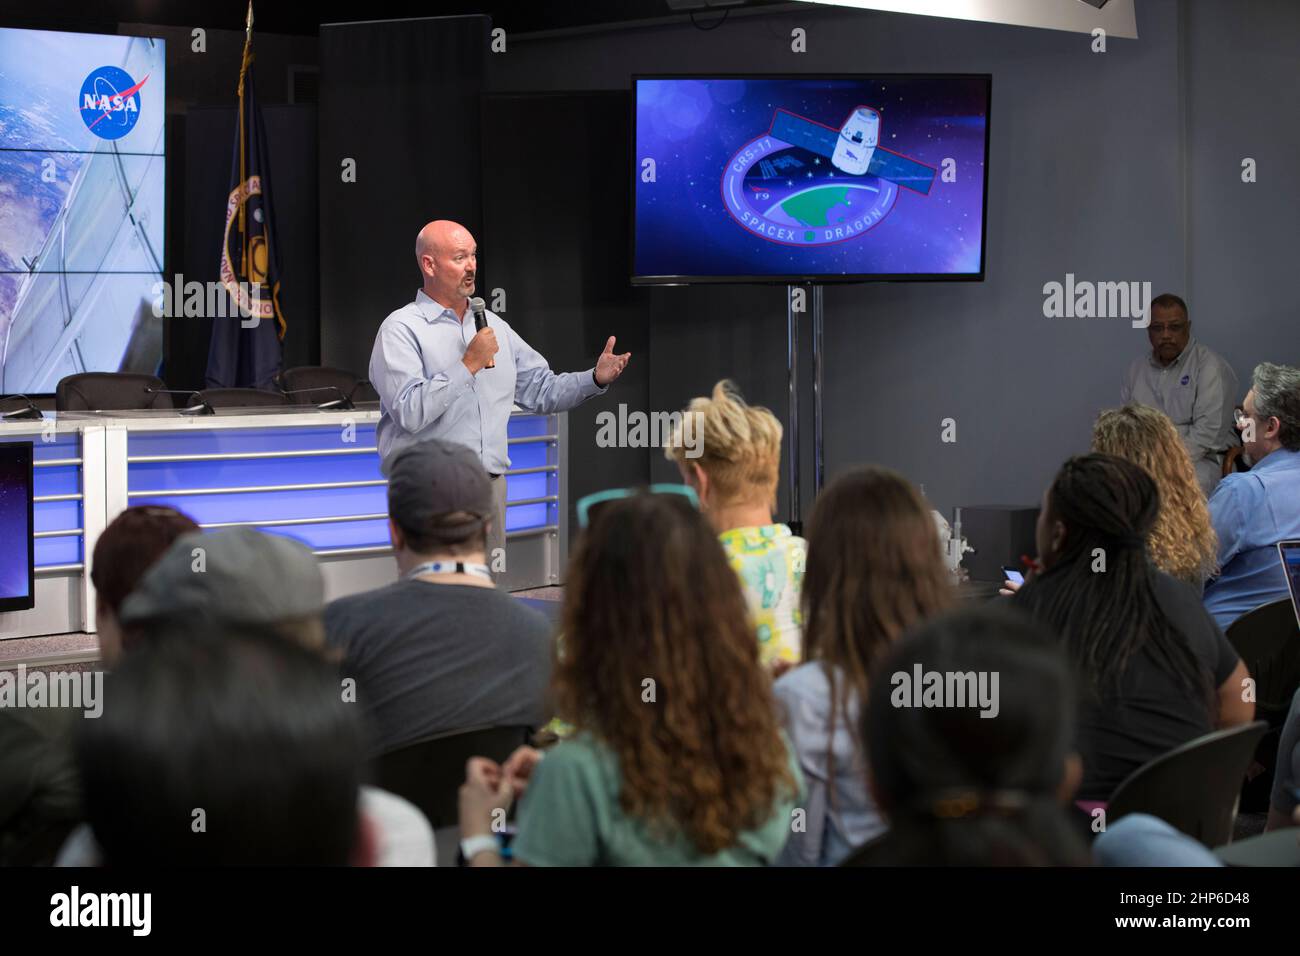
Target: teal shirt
[[570, 816]]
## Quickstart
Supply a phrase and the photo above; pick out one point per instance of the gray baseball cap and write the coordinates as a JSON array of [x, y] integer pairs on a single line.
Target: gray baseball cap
[[240, 576], [436, 478]]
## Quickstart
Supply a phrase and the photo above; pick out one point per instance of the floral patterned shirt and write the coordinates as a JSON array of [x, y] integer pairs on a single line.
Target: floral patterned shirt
[[770, 561]]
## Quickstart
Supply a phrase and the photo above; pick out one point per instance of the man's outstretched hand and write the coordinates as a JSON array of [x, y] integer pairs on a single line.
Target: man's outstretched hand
[[610, 366]]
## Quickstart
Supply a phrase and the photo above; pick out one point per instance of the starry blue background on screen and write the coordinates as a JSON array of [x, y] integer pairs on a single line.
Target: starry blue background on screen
[[692, 128], [14, 531]]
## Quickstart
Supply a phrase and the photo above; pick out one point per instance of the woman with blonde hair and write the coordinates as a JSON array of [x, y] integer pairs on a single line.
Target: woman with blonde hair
[[729, 452], [1182, 542]]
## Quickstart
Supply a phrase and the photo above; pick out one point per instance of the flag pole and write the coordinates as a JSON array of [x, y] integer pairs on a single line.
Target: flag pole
[[243, 146]]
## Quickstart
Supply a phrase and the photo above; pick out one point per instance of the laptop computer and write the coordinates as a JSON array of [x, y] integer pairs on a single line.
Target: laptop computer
[[1289, 552]]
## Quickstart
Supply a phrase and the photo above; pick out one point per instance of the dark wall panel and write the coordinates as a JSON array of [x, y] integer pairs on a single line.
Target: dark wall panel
[[209, 136], [555, 240], [402, 99]]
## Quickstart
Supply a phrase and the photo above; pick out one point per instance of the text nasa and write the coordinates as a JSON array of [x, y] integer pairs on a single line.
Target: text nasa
[[763, 227], [105, 103]]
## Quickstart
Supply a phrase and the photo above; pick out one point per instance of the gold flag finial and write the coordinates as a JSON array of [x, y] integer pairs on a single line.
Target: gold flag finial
[[250, 18]]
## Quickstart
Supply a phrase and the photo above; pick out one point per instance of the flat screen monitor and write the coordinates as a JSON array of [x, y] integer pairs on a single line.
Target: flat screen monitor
[[809, 178], [82, 174], [17, 547], [1289, 552]]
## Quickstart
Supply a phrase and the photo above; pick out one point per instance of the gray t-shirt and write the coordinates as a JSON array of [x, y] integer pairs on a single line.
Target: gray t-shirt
[[432, 658]]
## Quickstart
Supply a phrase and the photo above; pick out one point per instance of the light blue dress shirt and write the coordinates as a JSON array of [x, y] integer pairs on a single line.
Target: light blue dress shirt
[[425, 390], [1251, 512], [840, 814]]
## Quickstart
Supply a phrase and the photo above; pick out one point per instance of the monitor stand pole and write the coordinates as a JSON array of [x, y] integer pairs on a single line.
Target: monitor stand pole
[[796, 304]]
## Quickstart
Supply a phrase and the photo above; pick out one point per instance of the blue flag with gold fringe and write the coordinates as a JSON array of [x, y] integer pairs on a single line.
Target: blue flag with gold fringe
[[245, 351]]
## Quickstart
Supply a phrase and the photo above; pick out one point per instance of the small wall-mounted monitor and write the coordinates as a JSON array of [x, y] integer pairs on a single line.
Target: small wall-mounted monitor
[[17, 548], [809, 178]]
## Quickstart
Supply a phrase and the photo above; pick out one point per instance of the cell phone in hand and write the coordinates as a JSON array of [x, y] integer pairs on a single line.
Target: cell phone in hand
[[1014, 576]]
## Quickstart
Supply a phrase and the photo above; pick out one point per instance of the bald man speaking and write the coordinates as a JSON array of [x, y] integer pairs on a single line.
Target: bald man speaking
[[439, 378]]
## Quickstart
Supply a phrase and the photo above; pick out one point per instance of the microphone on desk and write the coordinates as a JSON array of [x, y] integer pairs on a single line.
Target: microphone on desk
[[343, 402], [31, 412], [203, 408], [477, 306]]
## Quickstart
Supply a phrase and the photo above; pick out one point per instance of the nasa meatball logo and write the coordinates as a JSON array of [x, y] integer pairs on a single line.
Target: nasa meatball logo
[[110, 102], [803, 183]]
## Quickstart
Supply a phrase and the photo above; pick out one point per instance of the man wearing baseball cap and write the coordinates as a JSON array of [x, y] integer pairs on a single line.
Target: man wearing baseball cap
[[441, 649]]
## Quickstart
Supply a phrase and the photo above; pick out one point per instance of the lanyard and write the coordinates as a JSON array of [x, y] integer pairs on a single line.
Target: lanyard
[[449, 567]]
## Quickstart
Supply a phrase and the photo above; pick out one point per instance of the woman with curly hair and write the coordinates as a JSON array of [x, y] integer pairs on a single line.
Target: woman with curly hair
[[1182, 543], [677, 757]]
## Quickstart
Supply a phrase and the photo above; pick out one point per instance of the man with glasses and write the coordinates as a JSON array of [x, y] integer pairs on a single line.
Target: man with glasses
[[1252, 511], [1189, 383]]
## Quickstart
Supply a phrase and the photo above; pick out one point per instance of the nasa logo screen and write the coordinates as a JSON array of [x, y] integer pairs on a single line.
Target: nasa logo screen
[[83, 177], [110, 102], [834, 178]]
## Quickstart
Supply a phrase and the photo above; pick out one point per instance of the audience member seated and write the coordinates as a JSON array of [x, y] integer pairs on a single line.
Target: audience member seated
[[874, 570], [1154, 670], [1182, 542], [1284, 801], [677, 757], [231, 576], [1252, 511], [730, 453], [229, 748], [240, 578], [441, 649], [984, 779], [39, 790], [1200, 404]]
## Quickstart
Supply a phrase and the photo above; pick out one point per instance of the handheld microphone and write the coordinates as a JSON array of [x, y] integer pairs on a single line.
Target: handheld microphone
[[203, 408], [31, 412], [477, 306], [343, 402]]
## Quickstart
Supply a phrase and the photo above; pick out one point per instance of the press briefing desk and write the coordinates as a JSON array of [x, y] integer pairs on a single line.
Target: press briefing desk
[[312, 475]]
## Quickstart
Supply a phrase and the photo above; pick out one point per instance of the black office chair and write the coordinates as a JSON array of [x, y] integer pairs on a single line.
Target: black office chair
[[1275, 848], [113, 391], [315, 384], [1268, 640], [1193, 787], [429, 773], [237, 398]]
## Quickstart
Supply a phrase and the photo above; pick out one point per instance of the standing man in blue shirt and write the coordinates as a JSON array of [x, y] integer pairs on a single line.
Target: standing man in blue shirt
[[1252, 511], [1189, 383], [434, 372]]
